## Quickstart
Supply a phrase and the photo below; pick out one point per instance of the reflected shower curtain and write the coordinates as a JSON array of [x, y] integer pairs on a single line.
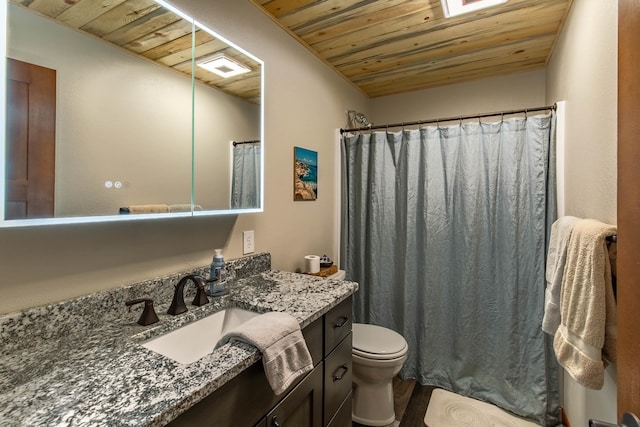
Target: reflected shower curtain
[[245, 180], [445, 229]]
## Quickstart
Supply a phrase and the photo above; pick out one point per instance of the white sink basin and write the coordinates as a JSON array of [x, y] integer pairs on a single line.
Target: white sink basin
[[195, 340]]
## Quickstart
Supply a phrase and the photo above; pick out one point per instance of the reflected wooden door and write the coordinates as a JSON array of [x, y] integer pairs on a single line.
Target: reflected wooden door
[[628, 381], [30, 155]]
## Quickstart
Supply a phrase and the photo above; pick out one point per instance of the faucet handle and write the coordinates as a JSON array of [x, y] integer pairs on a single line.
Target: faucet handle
[[201, 295], [148, 315]]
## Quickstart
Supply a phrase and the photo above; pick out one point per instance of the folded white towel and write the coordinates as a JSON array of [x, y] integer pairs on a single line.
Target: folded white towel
[[184, 207], [587, 334], [285, 355], [556, 259], [146, 209]]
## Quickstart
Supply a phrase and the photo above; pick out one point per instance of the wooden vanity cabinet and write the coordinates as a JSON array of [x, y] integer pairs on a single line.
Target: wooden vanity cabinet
[[320, 399]]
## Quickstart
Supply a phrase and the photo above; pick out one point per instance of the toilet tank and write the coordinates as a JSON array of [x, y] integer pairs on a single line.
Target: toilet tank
[[340, 275]]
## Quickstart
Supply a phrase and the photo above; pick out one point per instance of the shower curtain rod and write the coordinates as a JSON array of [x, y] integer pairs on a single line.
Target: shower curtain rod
[[244, 142], [449, 119]]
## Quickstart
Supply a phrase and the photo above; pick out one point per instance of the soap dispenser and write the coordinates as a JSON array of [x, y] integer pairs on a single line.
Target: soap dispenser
[[218, 275]]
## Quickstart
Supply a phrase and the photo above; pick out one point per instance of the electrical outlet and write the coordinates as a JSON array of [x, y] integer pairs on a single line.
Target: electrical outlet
[[248, 242]]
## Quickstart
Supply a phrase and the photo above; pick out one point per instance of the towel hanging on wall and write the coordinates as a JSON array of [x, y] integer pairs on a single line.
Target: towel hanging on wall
[[586, 337], [556, 260]]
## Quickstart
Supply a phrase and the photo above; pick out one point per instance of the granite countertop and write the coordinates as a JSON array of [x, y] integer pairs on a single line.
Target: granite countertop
[[98, 374]]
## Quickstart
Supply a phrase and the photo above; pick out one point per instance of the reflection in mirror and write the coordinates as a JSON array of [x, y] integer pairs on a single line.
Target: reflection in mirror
[[218, 122], [245, 174], [125, 126]]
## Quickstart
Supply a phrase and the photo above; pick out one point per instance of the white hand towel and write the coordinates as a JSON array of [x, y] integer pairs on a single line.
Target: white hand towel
[[285, 355], [587, 332], [556, 259]]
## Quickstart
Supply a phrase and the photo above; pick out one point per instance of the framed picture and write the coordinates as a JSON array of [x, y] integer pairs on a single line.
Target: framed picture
[[305, 174]]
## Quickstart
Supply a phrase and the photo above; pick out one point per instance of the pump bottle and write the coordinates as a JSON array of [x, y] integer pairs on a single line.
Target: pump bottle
[[218, 274]]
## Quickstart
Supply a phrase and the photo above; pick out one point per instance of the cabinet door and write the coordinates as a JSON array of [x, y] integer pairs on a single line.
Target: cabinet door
[[303, 406], [337, 378], [343, 416]]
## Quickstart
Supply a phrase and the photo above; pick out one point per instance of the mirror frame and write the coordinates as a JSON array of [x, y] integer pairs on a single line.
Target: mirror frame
[[116, 217]]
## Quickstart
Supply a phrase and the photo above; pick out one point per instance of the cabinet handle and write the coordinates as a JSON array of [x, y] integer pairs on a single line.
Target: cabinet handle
[[274, 422], [341, 322], [338, 376]]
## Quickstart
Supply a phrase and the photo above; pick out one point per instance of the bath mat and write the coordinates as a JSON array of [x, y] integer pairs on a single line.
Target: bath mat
[[447, 409]]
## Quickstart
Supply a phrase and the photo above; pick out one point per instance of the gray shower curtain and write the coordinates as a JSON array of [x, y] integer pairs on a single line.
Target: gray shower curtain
[[445, 228], [245, 179]]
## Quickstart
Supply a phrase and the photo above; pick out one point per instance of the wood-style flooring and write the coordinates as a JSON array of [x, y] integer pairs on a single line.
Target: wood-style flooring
[[410, 403]]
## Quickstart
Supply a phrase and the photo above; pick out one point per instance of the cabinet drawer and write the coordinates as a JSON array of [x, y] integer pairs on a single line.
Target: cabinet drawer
[[337, 325], [303, 406], [343, 416], [337, 378]]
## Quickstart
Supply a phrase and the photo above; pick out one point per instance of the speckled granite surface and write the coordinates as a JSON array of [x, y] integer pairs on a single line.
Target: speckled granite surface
[[80, 362]]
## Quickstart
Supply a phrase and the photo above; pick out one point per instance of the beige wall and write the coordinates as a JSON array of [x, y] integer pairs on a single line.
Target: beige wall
[[583, 71], [515, 91], [304, 103]]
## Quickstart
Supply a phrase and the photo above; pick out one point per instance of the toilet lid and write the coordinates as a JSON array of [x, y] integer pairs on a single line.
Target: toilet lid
[[377, 341]]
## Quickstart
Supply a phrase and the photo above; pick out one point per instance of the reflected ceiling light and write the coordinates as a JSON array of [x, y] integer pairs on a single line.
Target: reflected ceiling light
[[222, 65], [458, 7]]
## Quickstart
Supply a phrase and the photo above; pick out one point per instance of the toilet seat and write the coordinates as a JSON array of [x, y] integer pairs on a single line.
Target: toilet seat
[[377, 343]]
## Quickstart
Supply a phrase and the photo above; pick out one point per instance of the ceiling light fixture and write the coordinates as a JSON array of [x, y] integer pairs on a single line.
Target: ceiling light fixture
[[222, 65], [458, 7]]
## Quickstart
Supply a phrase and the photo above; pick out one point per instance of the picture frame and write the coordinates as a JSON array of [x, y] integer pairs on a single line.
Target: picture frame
[[305, 174]]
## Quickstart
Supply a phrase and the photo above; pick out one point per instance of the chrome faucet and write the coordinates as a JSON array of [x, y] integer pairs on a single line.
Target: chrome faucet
[[177, 305]]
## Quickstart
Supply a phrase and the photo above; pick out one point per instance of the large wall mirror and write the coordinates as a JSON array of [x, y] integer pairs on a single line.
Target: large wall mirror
[[126, 109]]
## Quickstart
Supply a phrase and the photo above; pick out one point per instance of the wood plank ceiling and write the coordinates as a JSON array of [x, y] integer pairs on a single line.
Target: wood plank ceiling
[[386, 47], [147, 29]]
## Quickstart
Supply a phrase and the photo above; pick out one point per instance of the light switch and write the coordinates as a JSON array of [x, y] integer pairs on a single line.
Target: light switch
[[248, 242]]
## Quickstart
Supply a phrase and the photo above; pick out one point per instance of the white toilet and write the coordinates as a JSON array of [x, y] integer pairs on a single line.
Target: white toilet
[[378, 355]]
